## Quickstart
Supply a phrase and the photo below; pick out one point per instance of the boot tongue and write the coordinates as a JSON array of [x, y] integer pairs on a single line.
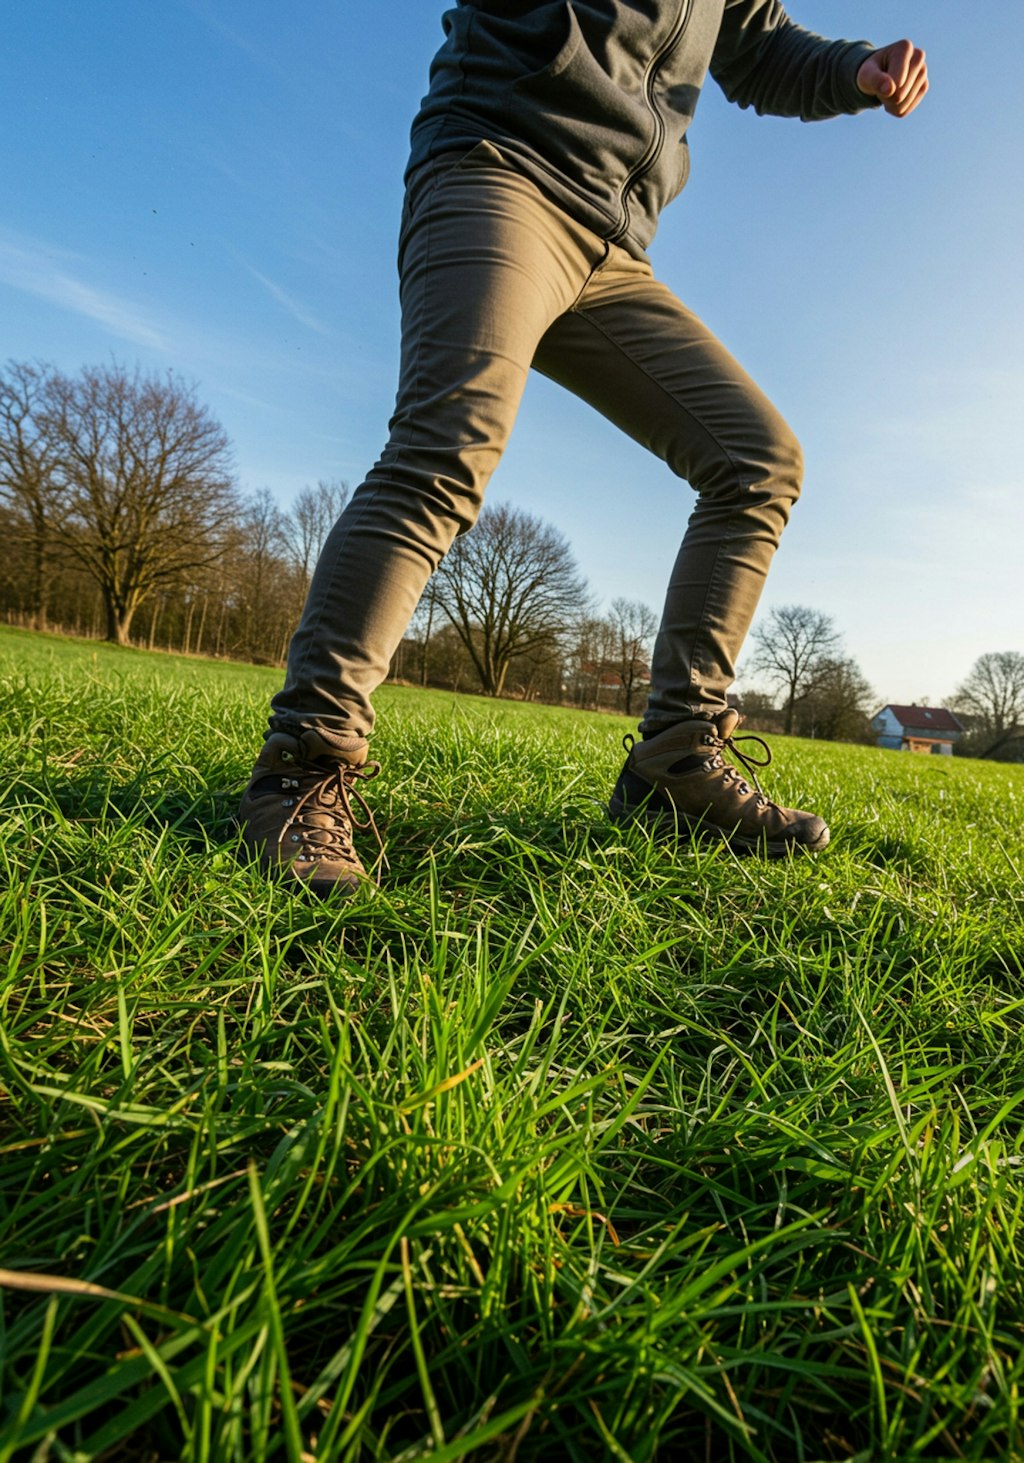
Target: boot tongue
[[727, 721], [329, 751]]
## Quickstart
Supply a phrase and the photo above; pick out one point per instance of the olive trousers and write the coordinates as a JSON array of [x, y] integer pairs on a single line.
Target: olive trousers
[[496, 278]]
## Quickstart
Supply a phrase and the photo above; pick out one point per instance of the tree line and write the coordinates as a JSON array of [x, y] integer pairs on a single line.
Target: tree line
[[122, 518], [818, 690]]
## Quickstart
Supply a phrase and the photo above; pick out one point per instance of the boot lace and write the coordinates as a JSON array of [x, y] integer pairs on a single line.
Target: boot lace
[[332, 794], [749, 764]]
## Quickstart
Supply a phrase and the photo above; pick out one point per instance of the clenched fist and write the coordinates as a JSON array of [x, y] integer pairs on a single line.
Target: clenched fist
[[897, 75]]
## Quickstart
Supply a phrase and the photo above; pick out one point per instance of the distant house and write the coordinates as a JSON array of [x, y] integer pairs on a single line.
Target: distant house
[[917, 729]]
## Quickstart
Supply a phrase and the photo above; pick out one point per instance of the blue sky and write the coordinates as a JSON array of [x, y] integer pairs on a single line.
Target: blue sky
[[213, 186]]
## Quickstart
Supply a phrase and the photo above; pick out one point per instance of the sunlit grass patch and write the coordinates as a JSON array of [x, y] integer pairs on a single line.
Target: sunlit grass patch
[[563, 1143]]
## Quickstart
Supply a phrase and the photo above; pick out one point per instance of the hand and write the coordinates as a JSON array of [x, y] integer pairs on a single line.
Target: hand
[[897, 75]]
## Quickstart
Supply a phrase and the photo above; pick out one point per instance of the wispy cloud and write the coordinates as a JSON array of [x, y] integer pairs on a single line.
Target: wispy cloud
[[247, 398], [57, 276], [241, 42], [289, 303], [214, 348]]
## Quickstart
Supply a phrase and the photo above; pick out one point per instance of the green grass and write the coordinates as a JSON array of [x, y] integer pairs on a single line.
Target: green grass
[[561, 1144]]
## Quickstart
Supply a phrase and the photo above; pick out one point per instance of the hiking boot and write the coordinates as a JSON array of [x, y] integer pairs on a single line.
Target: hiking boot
[[679, 782], [296, 815]]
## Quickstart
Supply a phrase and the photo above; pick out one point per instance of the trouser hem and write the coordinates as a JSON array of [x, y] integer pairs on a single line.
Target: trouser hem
[[341, 738]]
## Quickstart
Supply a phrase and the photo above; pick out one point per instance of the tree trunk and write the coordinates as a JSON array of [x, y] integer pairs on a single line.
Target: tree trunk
[[40, 586], [426, 641], [187, 635], [119, 622], [202, 625]]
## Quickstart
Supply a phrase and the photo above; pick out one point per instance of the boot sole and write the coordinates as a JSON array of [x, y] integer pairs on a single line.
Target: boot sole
[[663, 824]]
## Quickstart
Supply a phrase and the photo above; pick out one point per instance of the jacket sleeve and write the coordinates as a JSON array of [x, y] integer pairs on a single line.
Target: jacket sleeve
[[762, 59]]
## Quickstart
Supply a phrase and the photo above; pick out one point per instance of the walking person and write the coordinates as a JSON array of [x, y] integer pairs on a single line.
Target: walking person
[[552, 135]]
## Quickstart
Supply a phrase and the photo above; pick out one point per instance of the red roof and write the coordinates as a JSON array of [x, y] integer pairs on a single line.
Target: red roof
[[925, 718]]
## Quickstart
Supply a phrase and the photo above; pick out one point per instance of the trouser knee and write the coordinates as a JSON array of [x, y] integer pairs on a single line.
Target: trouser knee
[[766, 467], [423, 509]]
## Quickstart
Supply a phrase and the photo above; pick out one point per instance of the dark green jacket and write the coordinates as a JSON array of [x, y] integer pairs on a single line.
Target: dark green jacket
[[593, 98]]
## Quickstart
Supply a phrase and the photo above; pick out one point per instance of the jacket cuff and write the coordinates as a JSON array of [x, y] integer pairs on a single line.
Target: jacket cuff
[[849, 93]]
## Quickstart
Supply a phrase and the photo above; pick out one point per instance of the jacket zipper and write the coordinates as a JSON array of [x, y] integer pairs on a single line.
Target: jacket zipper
[[654, 147]]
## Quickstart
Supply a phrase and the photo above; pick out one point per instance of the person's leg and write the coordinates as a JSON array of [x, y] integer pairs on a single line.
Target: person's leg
[[486, 263], [646, 362], [632, 350]]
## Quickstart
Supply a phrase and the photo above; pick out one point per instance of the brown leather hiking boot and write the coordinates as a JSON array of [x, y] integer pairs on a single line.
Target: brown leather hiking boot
[[296, 815], [679, 782]]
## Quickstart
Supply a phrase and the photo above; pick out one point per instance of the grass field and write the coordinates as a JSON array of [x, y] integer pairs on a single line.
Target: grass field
[[560, 1144]]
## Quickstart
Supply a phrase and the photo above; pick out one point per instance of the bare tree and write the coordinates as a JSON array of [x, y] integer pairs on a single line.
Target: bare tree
[[838, 706], [993, 696], [145, 478], [311, 518], [421, 632], [793, 647], [589, 654], [634, 625], [759, 710], [265, 594], [27, 479], [509, 587]]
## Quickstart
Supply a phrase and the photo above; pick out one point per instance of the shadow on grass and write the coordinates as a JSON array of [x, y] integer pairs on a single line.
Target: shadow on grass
[[197, 808]]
